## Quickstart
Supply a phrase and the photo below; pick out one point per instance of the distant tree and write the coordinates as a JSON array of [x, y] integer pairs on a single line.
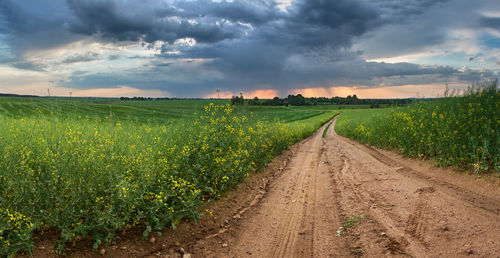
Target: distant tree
[[274, 102], [235, 100], [298, 100], [336, 100], [350, 99], [254, 101], [277, 101]]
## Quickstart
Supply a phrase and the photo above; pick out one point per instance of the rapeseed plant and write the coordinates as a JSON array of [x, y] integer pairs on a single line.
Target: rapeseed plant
[[460, 131], [89, 178]]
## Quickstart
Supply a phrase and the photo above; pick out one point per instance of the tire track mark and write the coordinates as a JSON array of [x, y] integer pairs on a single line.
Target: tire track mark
[[294, 236], [474, 199]]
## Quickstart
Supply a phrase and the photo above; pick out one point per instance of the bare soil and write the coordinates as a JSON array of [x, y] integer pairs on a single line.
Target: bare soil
[[333, 197]]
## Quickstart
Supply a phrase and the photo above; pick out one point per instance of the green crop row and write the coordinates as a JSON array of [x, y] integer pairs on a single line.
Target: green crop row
[[460, 131], [89, 178]]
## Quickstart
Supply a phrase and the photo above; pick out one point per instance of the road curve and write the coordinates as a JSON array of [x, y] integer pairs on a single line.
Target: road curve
[[339, 198]]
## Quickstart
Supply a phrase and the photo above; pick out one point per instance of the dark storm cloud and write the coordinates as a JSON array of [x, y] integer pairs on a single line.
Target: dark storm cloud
[[319, 23], [163, 77], [255, 12], [243, 44], [317, 34], [26, 25], [402, 10], [360, 72], [248, 41], [374, 69], [308, 23], [413, 26], [3, 16], [133, 21], [313, 28], [311, 24], [491, 22]]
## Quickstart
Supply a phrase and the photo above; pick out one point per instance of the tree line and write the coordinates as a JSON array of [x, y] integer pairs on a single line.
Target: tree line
[[299, 100]]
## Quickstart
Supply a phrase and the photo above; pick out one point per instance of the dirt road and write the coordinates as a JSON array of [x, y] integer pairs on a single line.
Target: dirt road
[[338, 198], [334, 197]]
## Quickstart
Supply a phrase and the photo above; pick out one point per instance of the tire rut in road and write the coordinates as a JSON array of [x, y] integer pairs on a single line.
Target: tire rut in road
[[294, 236], [474, 199], [357, 201], [421, 213], [399, 208]]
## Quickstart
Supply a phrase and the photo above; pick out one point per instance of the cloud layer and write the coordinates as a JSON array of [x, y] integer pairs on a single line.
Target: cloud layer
[[191, 48]]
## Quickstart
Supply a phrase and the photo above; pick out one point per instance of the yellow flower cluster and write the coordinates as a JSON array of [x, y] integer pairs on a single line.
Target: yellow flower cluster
[[462, 131], [94, 177], [15, 230]]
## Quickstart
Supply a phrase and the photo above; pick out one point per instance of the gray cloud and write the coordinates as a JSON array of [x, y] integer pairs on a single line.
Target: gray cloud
[[413, 26], [245, 44], [255, 12], [314, 28], [133, 21], [29, 65], [77, 58], [308, 45], [114, 57], [309, 23], [26, 25], [490, 22], [403, 10], [319, 23], [307, 73], [79, 72]]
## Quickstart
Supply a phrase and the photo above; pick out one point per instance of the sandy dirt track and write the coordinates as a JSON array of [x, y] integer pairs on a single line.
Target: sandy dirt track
[[334, 197], [398, 207]]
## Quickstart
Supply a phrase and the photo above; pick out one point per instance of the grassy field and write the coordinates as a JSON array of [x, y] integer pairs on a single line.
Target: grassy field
[[88, 168], [143, 111], [460, 131]]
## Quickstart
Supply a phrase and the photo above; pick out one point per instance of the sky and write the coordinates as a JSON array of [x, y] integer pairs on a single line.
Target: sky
[[263, 48]]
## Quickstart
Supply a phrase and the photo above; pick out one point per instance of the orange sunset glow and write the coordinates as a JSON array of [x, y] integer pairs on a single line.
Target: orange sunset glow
[[405, 91], [261, 94]]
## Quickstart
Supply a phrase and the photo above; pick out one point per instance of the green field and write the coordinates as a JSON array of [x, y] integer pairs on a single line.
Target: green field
[[143, 111], [87, 168], [460, 131]]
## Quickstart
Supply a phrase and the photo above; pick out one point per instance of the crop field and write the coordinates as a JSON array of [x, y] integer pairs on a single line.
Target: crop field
[[88, 168], [460, 131]]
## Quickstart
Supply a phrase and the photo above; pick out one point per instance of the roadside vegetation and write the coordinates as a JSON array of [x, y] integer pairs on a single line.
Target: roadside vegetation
[[89, 170], [460, 131]]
